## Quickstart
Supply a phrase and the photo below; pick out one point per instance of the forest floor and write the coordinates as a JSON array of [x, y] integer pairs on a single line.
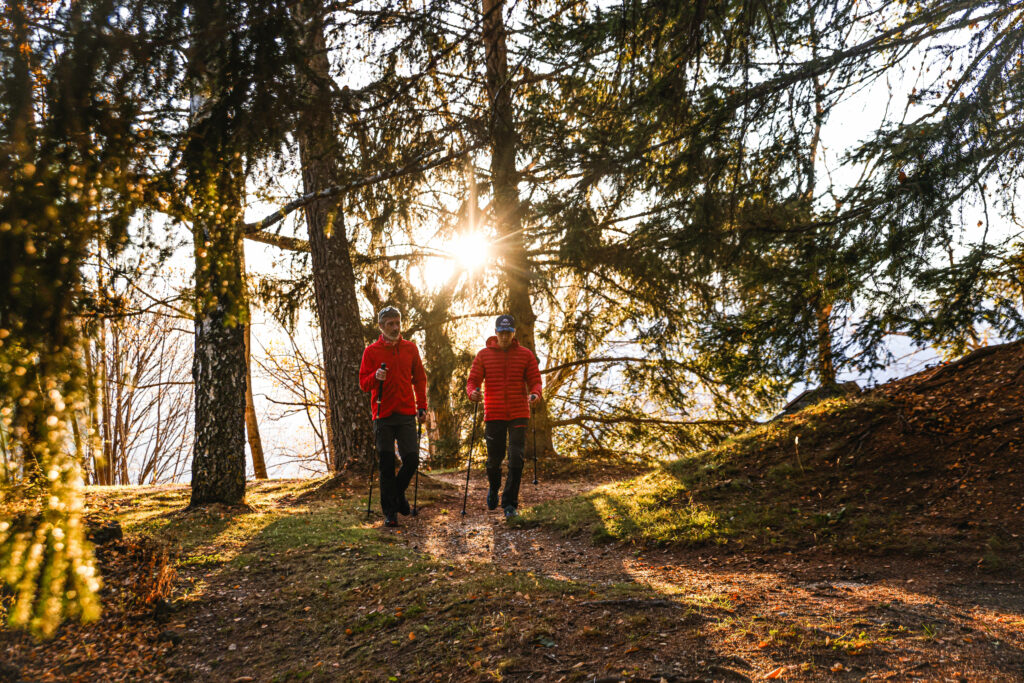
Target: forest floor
[[884, 544]]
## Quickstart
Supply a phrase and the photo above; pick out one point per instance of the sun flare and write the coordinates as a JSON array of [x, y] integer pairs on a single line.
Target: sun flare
[[470, 250]]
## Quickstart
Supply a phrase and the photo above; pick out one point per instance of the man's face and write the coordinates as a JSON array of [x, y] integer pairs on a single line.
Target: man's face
[[391, 327], [505, 339]]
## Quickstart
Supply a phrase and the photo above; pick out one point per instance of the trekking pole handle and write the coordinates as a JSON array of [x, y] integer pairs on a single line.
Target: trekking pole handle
[[380, 385]]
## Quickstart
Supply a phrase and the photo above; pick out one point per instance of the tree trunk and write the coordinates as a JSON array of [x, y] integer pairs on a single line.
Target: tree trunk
[[826, 361], [334, 282], [105, 468], [252, 428], [822, 298], [93, 389], [218, 366], [440, 361], [515, 263]]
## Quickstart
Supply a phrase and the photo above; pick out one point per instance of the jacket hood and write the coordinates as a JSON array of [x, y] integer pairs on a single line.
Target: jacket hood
[[492, 343]]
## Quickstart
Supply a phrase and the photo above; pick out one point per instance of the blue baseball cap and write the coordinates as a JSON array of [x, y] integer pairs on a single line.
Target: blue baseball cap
[[505, 323]]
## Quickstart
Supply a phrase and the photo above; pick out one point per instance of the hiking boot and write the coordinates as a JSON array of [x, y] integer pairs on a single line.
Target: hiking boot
[[403, 505], [391, 519], [510, 511], [492, 499]]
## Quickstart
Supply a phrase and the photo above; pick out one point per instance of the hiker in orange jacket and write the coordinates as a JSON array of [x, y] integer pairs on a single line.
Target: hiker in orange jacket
[[511, 382], [393, 364]]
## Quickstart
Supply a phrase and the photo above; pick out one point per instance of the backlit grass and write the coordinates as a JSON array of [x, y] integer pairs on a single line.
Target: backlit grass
[[750, 488]]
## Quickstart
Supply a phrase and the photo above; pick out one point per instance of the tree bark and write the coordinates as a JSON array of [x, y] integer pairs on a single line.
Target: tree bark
[[515, 263], [440, 360], [105, 468], [95, 440], [822, 298], [252, 427], [218, 366], [334, 281]]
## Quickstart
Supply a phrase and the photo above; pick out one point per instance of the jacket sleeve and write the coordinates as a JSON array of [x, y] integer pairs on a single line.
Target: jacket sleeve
[[476, 374], [419, 380], [532, 373], [366, 371]]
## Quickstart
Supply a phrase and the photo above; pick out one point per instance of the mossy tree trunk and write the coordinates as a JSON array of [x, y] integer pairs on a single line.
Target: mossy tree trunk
[[216, 185]]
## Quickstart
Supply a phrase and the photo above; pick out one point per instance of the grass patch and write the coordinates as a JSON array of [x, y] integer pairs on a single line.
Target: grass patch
[[199, 561], [756, 487]]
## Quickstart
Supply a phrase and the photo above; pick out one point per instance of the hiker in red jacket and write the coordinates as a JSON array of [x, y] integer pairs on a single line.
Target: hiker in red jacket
[[394, 364], [511, 381]]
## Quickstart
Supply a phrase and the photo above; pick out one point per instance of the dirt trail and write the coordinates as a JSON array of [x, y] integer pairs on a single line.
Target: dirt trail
[[866, 618], [482, 535]]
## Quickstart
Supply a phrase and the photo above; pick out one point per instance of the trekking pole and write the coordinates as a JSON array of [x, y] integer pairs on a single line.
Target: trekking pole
[[533, 419], [380, 390], [469, 460], [416, 486]]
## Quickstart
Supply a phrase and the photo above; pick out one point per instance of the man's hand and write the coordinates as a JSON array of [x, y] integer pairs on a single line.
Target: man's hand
[[421, 414], [382, 374], [534, 398], [475, 396]]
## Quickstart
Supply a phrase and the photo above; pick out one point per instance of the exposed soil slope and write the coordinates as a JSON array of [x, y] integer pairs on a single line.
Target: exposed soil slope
[[923, 466]]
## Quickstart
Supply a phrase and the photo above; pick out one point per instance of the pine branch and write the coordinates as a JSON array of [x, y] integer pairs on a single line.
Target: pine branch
[[334, 191], [630, 419], [607, 359]]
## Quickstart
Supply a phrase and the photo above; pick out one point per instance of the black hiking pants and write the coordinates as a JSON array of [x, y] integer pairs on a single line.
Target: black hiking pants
[[502, 435], [388, 430]]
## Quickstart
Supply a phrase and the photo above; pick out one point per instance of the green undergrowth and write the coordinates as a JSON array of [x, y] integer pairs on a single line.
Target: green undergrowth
[[776, 485]]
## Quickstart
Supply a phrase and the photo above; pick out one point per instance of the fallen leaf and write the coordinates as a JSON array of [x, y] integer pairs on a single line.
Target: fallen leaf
[[775, 673]]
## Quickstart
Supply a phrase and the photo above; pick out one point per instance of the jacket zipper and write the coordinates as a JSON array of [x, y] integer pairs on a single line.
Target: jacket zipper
[[508, 412]]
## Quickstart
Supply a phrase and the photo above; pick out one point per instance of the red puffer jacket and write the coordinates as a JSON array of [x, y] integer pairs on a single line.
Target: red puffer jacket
[[405, 373], [509, 376]]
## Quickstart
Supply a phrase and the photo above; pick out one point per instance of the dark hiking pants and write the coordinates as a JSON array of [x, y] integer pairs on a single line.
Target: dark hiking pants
[[499, 435], [400, 428]]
